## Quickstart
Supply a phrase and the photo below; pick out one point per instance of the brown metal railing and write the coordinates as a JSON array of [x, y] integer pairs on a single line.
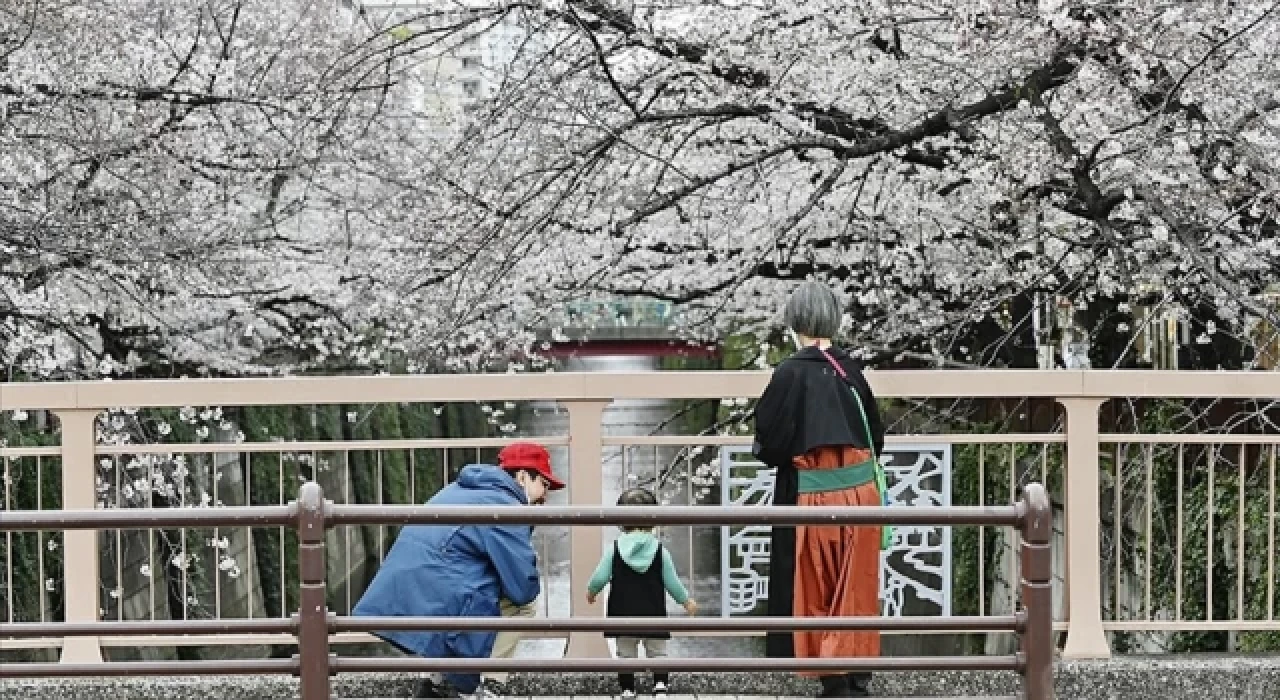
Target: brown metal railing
[[311, 514]]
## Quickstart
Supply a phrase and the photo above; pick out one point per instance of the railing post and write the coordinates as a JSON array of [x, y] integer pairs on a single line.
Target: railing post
[[585, 543], [1085, 637], [80, 547], [313, 613], [1037, 593]]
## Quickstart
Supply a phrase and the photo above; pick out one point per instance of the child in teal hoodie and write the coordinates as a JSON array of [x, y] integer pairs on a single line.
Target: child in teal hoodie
[[640, 576]]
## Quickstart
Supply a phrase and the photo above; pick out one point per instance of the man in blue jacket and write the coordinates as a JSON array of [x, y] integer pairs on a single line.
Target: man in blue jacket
[[466, 570]]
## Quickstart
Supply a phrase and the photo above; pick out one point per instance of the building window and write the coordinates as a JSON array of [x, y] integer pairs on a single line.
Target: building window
[[470, 62], [471, 88]]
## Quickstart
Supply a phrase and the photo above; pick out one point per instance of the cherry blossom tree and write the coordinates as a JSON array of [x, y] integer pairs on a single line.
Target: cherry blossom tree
[[225, 186], [222, 186], [239, 187], [955, 168]]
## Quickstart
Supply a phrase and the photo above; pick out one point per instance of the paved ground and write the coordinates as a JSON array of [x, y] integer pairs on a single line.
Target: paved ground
[[710, 696], [1196, 677]]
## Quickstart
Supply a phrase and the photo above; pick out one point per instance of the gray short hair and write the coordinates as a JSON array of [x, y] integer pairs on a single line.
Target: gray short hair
[[813, 311]]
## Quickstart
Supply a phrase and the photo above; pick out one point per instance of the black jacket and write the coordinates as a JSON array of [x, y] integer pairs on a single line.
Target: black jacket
[[806, 405]]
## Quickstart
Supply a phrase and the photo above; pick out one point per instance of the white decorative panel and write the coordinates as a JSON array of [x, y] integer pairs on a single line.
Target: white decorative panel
[[916, 569]]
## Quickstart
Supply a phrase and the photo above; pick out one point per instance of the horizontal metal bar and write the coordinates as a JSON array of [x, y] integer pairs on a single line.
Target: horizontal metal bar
[[252, 516], [671, 515], [144, 518], [7, 644], [1186, 439], [676, 624], [208, 640], [883, 663], [1192, 625], [339, 638], [32, 451], [976, 438], [229, 667], [233, 640], [675, 440], [309, 446], [31, 630], [213, 640], [909, 439]]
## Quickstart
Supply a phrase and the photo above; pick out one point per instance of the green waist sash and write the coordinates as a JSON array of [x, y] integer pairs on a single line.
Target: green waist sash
[[839, 479]]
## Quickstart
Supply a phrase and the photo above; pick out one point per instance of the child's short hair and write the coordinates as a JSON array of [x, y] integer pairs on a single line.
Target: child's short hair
[[637, 497]]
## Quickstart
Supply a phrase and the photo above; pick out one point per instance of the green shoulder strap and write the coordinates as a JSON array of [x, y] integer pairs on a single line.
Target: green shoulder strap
[[886, 531]]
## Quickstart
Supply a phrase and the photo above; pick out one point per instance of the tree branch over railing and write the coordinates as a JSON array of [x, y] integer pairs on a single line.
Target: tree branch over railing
[[1170, 98], [1186, 234], [830, 120], [610, 19], [1055, 73], [1098, 205]]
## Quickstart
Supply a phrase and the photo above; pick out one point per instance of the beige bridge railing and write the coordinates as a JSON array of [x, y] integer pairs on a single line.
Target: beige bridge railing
[[1089, 473]]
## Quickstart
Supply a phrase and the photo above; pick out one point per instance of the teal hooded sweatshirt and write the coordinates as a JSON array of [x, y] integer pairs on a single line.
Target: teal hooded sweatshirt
[[638, 549]]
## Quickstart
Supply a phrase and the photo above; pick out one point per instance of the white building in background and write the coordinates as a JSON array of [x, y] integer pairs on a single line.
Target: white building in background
[[453, 79]]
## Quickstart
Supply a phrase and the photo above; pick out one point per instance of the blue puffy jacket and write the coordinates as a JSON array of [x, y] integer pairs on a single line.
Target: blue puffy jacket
[[456, 570]]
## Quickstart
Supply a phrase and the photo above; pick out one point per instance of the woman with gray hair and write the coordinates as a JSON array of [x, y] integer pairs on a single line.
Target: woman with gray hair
[[818, 426]]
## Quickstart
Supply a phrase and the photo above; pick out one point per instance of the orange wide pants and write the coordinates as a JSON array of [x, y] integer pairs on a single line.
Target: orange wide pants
[[837, 567]]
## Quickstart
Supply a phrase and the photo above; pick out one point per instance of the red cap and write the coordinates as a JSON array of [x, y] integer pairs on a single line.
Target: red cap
[[531, 456]]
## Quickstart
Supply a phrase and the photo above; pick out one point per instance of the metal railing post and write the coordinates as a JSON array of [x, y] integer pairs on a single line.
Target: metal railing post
[[1037, 593], [80, 547], [586, 544], [1085, 637], [313, 613]]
